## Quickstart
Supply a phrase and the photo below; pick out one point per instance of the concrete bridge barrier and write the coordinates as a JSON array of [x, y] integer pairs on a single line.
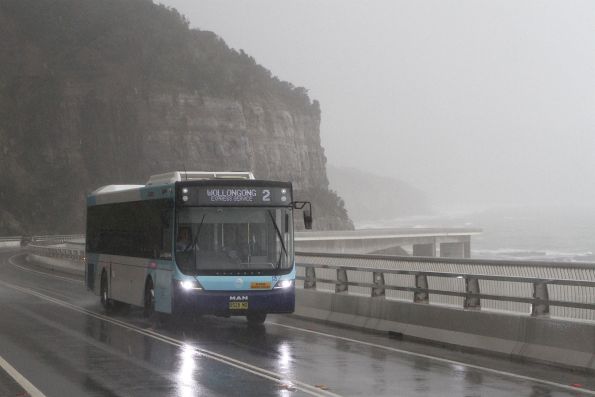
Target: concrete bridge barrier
[[444, 300], [552, 341]]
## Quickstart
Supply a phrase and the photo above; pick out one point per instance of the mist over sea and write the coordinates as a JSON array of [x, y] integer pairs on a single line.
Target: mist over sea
[[548, 233]]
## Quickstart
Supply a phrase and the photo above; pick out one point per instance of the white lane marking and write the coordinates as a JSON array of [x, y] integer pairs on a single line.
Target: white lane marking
[[20, 379], [443, 360], [241, 365], [69, 279]]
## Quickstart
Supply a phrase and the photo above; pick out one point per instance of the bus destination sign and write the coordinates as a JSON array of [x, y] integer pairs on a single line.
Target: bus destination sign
[[242, 196]]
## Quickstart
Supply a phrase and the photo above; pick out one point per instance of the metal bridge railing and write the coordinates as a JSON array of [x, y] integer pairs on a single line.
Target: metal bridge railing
[[52, 247], [75, 255], [10, 238], [56, 239], [43, 240], [564, 290]]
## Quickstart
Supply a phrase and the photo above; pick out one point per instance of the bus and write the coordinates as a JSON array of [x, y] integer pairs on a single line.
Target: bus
[[218, 243]]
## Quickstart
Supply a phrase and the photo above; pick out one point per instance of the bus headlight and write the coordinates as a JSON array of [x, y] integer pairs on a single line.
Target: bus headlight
[[190, 285], [283, 284]]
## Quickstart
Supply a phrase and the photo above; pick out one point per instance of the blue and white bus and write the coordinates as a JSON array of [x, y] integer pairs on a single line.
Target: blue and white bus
[[207, 242]]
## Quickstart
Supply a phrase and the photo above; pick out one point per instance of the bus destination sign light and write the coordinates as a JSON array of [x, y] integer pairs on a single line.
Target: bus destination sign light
[[243, 196]]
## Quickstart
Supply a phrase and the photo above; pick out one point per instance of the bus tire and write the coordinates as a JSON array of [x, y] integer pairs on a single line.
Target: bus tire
[[256, 318], [149, 300], [106, 302]]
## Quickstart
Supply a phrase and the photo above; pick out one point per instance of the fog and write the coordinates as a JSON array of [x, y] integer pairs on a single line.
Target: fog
[[478, 103]]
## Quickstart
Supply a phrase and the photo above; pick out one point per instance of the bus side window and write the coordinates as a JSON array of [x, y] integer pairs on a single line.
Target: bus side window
[[166, 235]]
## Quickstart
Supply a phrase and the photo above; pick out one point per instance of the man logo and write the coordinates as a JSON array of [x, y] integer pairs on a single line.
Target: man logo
[[238, 283], [238, 298]]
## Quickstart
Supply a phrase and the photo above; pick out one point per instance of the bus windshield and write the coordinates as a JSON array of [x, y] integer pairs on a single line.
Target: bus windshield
[[224, 239]]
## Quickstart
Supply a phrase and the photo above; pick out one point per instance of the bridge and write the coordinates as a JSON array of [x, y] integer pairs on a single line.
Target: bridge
[[364, 325], [443, 242]]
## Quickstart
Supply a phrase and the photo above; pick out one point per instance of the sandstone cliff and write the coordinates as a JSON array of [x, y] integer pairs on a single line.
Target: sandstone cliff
[[95, 92]]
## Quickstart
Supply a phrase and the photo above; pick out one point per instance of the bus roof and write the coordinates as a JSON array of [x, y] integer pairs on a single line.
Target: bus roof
[[123, 193], [178, 176]]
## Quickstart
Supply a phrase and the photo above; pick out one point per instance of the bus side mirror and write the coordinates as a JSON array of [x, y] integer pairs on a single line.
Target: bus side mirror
[[299, 205], [308, 219]]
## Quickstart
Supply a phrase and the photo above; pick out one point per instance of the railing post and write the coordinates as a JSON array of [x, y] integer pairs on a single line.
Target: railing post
[[310, 281], [341, 285], [421, 281], [472, 287], [378, 289], [541, 308]]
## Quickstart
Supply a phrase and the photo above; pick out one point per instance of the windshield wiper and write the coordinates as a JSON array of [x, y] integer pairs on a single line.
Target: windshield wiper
[[198, 231], [280, 238], [192, 244], [195, 241]]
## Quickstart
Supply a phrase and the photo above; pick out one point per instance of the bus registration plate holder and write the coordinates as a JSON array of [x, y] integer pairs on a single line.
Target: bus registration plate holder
[[238, 305]]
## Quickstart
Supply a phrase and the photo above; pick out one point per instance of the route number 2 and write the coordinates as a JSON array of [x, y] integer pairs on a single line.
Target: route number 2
[[266, 195]]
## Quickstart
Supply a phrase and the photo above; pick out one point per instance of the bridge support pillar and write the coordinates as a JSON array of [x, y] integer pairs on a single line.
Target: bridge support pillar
[[310, 281], [342, 281], [467, 249], [452, 250], [421, 295], [424, 249], [472, 301], [378, 289], [540, 308]]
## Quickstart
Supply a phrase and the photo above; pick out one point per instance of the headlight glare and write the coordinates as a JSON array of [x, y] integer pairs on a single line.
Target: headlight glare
[[284, 284], [189, 285]]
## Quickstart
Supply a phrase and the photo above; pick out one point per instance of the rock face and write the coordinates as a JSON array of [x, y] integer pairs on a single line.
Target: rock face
[[96, 92]]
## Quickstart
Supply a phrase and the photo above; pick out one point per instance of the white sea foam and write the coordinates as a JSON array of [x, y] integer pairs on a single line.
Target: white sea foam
[[516, 254]]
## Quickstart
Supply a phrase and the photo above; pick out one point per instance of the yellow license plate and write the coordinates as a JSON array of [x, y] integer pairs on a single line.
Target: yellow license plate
[[238, 305], [260, 285]]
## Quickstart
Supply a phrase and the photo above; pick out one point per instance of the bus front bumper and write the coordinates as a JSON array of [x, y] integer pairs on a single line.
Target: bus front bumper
[[236, 303]]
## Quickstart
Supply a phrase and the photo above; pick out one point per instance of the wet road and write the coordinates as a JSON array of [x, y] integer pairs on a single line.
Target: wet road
[[56, 335]]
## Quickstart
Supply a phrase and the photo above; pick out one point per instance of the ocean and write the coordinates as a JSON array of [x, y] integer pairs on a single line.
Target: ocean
[[519, 233]]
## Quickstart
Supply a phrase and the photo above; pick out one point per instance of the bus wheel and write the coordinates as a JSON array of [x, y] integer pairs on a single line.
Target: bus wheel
[[103, 295], [149, 307], [256, 318]]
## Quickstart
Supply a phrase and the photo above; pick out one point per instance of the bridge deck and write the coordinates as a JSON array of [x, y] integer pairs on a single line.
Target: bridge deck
[[447, 242], [55, 334]]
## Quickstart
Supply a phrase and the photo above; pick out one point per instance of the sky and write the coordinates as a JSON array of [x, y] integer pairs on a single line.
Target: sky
[[478, 103]]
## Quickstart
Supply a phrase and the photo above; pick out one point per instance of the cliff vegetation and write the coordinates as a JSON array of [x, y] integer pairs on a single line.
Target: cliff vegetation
[[96, 92]]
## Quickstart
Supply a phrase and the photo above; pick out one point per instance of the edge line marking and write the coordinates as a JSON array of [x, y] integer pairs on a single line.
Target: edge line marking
[[20, 379]]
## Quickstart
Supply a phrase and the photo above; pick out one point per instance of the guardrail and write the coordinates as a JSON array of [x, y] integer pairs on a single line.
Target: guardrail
[[53, 239], [10, 241], [56, 239], [10, 238], [565, 290], [75, 255]]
